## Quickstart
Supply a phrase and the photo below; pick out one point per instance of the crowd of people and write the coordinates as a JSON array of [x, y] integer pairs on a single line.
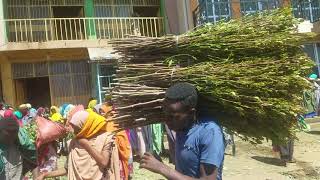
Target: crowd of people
[[96, 149]]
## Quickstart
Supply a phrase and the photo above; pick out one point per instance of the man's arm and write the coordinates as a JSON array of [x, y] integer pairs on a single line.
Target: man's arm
[[56, 173], [102, 159], [208, 171]]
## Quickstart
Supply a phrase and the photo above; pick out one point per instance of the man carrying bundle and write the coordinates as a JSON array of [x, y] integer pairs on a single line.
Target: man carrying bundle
[[199, 145]]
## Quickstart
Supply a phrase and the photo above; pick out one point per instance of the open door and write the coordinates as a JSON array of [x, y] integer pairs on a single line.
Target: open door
[[35, 91], [21, 91]]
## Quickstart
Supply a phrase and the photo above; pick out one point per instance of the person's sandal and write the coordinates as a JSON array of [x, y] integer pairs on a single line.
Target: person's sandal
[[292, 161]]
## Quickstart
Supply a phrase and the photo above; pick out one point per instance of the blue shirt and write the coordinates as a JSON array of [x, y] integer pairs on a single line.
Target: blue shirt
[[203, 143]]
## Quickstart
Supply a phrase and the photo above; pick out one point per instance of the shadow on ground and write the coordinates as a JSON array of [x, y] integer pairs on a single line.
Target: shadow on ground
[[314, 132], [269, 160]]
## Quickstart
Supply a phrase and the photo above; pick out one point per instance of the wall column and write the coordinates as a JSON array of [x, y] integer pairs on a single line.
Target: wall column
[[89, 12], [8, 87], [3, 33], [185, 19], [235, 9], [163, 15]]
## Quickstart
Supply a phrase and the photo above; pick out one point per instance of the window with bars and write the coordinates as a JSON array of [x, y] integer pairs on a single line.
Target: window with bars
[[313, 51], [213, 11], [309, 10], [121, 8], [28, 9], [105, 78], [70, 81], [252, 6], [33, 9]]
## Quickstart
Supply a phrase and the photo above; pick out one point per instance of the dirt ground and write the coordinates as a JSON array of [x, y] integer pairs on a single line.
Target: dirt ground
[[260, 163]]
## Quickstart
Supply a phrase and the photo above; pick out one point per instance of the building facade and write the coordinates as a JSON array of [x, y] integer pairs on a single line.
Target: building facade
[[216, 10], [45, 46]]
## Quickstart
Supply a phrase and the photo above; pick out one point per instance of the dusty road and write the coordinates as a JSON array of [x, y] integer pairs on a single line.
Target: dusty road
[[260, 163]]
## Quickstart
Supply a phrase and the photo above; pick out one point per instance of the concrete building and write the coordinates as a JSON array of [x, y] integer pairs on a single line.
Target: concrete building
[[57, 51], [216, 10], [50, 50]]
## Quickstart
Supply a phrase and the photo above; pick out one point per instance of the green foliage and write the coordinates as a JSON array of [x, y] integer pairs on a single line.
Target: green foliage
[[250, 73]]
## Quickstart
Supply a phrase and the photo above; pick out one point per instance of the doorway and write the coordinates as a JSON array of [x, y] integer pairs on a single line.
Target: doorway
[[35, 91], [69, 29], [147, 27]]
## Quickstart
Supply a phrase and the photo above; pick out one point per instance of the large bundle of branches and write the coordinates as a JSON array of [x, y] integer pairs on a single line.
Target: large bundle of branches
[[249, 73]]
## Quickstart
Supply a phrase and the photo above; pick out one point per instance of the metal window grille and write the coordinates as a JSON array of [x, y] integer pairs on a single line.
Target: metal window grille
[[213, 11], [306, 9], [70, 81], [252, 6], [105, 78]]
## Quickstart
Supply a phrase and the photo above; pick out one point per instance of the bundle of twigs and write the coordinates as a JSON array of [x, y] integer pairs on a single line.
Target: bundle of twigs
[[249, 73]]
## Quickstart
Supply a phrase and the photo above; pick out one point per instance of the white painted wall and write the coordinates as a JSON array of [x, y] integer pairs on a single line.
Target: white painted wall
[[179, 16], [3, 37]]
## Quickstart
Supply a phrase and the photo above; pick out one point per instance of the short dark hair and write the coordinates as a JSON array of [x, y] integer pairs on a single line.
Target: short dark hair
[[8, 124], [184, 93]]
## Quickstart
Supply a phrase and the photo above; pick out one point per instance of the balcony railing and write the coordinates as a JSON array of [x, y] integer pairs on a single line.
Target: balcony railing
[[55, 29]]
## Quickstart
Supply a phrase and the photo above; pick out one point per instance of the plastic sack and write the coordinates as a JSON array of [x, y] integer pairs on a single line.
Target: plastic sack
[[48, 131]]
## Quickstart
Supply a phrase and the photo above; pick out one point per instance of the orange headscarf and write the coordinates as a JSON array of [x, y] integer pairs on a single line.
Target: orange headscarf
[[122, 142]]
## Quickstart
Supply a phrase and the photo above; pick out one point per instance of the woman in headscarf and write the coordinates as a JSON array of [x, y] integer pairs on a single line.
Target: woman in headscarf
[[92, 104], [41, 112], [32, 113], [55, 115], [16, 116], [62, 109], [67, 110], [24, 109], [122, 141], [92, 154]]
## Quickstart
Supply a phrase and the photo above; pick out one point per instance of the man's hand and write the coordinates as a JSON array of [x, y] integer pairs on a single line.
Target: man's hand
[[41, 176], [150, 163]]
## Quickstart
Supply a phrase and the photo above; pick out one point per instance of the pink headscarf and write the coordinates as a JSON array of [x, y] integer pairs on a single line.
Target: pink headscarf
[[74, 111], [40, 111], [79, 119]]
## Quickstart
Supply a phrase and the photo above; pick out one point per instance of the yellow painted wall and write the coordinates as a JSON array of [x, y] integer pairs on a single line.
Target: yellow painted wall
[[8, 88], [31, 56]]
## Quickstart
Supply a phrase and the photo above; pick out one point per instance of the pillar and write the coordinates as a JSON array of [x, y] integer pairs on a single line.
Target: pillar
[[8, 87], [163, 15], [185, 19], [172, 18], [89, 12], [235, 9], [3, 34], [94, 80]]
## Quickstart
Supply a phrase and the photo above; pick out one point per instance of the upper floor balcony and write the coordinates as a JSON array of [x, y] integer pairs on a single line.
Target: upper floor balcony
[[65, 29], [33, 24]]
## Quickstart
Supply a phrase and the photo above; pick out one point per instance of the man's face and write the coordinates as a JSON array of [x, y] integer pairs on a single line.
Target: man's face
[[178, 117], [8, 136]]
